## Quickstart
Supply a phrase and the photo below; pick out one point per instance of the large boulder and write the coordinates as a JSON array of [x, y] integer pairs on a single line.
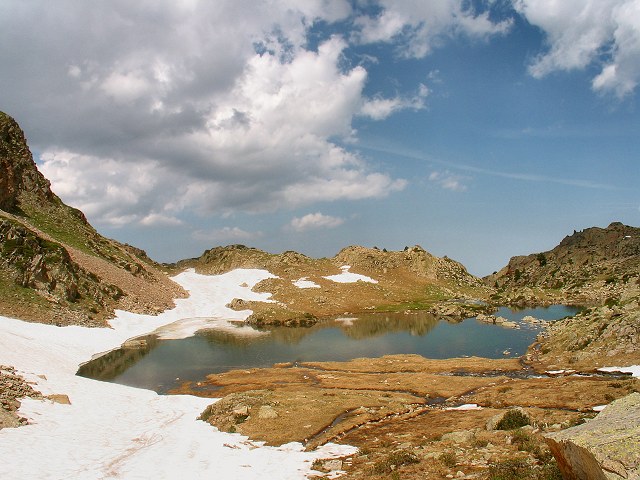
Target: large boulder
[[605, 448]]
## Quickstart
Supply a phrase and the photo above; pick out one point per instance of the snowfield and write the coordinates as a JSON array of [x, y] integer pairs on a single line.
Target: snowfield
[[114, 431]]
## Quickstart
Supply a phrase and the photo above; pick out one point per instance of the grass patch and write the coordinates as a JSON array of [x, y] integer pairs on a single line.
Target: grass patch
[[395, 459], [520, 469]]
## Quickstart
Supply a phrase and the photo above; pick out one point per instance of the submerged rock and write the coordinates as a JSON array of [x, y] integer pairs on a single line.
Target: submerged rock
[[604, 448]]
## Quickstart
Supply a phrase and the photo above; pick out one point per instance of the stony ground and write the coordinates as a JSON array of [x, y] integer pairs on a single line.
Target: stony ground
[[12, 388], [400, 412]]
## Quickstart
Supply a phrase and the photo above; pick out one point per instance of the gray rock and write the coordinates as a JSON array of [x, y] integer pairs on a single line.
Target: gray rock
[[605, 448], [461, 436], [333, 465]]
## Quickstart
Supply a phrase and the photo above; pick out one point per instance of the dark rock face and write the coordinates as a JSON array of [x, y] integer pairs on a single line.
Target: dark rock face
[[604, 448], [18, 171]]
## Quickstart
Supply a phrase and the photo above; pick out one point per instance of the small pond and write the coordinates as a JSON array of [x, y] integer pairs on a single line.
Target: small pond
[[161, 365]]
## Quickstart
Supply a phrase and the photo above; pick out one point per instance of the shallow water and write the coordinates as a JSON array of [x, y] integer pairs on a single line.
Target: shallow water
[[164, 364]]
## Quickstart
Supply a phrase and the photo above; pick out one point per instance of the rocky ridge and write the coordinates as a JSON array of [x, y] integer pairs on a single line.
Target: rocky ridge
[[589, 267], [411, 279]]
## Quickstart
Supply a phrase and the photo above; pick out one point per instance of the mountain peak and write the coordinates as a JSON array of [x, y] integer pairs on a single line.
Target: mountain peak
[[18, 171]]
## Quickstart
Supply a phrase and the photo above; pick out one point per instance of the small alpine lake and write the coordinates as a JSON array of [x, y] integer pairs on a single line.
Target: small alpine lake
[[161, 365]]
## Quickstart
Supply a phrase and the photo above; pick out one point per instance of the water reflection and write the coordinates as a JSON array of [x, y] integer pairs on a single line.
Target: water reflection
[[162, 364]]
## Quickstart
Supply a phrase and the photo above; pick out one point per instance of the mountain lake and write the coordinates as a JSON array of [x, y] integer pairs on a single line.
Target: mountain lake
[[161, 365]]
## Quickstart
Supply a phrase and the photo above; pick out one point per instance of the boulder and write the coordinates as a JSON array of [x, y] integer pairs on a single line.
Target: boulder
[[605, 448], [459, 437]]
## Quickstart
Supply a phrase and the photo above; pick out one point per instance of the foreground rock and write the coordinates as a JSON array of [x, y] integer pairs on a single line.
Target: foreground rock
[[12, 388], [605, 448]]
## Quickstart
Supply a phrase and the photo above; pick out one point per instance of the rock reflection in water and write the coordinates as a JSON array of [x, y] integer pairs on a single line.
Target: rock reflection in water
[[111, 365], [164, 364]]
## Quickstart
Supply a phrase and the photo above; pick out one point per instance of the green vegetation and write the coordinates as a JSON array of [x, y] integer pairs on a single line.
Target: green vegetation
[[520, 469], [513, 419], [394, 459], [448, 459]]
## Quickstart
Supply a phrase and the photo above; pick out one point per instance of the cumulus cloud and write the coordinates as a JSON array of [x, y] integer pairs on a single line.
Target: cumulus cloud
[[314, 221], [379, 108], [584, 32], [142, 111], [418, 27], [449, 181], [225, 234]]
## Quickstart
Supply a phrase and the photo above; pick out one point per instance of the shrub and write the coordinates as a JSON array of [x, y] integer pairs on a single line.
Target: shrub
[[448, 459], [513, 419], [395, 459]]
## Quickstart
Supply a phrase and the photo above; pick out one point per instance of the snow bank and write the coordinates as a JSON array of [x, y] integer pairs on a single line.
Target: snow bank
[[347, 277], [634, 370], [114, 431]]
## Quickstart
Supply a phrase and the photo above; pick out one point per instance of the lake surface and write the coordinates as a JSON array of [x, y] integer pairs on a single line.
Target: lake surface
[[164, 364]]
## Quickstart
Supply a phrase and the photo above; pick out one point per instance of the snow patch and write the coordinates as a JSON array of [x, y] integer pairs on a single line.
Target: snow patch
[[115, 431], [634, 370], [347, 277], [466, 406], [304, 282]]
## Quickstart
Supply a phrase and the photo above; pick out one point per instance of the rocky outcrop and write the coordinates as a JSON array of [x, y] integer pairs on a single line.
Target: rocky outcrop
[[47, 268], [18, 171], [12, 388], [605, 448], [593, 266]]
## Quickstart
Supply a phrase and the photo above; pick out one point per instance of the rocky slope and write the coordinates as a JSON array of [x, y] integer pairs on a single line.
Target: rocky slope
[[398, 280], [54, 266], [587, 268], [598, 268]]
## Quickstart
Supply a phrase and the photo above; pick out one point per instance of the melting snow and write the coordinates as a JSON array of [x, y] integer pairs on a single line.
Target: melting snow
[[114, 431], [347, 277], [304, 282], [634, 370]]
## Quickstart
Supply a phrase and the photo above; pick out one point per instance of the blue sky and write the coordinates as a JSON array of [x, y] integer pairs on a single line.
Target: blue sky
[[479, 130]]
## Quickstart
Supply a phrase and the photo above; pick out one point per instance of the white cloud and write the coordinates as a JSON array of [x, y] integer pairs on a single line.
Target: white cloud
[[584, 32], [379, 108], [419, 26], [160, 220], [225, 234], [178, 110], [449, 181], [314, 221]]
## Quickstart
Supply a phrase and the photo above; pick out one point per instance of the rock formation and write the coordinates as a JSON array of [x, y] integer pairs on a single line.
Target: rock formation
[[588, 268], [605, 448]]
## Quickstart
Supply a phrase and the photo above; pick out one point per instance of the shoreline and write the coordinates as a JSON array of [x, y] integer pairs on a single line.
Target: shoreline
[[114, 431]]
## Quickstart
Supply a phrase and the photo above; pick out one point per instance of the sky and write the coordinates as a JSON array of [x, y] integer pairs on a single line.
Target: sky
[[478, 129]]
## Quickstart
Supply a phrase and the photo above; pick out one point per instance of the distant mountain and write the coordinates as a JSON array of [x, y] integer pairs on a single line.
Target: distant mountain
[[587, 267], [392, 280], [54, 266]]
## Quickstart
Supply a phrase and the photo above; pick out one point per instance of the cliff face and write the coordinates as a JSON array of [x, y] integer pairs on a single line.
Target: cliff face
[[18, 172], [54, 266]]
